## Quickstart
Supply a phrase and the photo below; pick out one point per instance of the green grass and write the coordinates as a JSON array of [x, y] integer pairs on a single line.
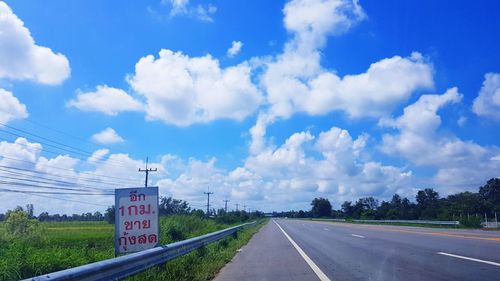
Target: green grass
[[64, 245]]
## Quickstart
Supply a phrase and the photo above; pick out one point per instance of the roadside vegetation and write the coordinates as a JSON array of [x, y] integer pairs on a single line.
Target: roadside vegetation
[[469, 208], [29, 247]]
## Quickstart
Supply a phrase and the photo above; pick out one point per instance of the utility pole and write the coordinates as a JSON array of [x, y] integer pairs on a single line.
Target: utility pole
[[225, 205], [237, 206], [245, 208], [208, 200], [147, 172]]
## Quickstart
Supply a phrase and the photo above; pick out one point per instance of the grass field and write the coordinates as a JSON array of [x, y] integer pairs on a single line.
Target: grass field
[[64, 245]]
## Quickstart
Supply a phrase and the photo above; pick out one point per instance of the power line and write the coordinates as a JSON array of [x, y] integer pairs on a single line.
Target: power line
[[49, 192], [46, 182], [59, 168], [59, 175], [108, 161], [208, 200], [62, 199], [85, 152], [147, 171], [225, 204], [41, 179], [42, 186]]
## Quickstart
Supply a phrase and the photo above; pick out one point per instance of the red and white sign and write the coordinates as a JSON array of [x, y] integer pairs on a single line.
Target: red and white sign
[[136, 219]]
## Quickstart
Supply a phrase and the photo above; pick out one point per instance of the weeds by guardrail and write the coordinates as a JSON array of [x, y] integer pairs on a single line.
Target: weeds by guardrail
[[125, 266]]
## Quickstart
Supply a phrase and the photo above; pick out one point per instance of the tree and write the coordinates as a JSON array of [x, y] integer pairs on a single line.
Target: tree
[[428, 203], [29, 210], [170, 206], [19, 225], [490, 194], [44, 216], [347, 209], [109, 215], [321, 207]]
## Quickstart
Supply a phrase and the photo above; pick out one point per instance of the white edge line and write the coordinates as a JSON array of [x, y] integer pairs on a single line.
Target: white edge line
[[308, 260], [359, 236], [467, 258]]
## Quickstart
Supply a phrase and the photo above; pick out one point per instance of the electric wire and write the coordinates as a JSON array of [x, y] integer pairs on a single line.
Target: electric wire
[[58, 198]]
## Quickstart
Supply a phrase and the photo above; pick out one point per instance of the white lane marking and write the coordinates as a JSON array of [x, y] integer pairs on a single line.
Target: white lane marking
[[326, 229], [470, 259], [308, 260], [359, 236]]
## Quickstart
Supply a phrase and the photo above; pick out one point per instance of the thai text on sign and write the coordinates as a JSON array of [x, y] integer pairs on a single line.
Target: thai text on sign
[[136, 219]]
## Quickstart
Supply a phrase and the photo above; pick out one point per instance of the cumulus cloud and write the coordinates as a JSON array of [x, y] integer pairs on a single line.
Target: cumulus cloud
[[96, 174], [107, 136], [185, 8], [458, 162], [235, 49], [22, 59], [183, 90], [107, 100], [487, 103], [375, 93], [312, 20], [19, 152], [11, 108], [295, 81]]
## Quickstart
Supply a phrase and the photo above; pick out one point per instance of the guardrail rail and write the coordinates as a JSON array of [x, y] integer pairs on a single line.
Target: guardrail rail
[[400, 221], [125, 266]]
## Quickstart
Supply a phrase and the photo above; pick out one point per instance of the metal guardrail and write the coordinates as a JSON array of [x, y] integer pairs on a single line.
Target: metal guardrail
[[401, 221], [124, 266], [413, 222]]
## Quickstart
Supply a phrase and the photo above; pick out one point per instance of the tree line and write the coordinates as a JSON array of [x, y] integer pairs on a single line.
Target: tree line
[[167, 206], [428, 205]]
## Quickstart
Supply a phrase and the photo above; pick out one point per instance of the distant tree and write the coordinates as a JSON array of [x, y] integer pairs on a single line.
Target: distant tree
[[2, 217], [321, 207], [19, 225], [109, 215], [29, 210], [428, 203], [198, 212], [347, 209], [490, 194], [170, 206], [44, 216]]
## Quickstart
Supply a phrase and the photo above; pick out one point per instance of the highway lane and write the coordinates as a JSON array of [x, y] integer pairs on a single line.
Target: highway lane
[[372, 252]]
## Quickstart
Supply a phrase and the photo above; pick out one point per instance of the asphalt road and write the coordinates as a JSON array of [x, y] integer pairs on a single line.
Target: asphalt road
[[340, 251]]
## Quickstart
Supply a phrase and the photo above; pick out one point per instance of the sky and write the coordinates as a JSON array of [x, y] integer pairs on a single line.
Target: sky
[[268, 103]]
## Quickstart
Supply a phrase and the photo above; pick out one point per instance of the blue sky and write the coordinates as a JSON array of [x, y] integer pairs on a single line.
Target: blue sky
[[270, 103]]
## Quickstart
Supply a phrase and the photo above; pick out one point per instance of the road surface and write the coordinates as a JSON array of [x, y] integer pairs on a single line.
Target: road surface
[[287, 249]]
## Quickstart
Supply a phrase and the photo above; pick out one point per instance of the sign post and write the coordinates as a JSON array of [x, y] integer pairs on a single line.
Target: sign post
[[136, 219]]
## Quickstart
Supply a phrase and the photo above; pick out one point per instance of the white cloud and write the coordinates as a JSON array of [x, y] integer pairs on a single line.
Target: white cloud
[[461, 121], [375, 93], [312, 20], [104, 175], [107, 100], [296, 82], [98, 155], [22, 59], [458, 163], [11, 108], [235, 49], [487, 103], [184, 8], [20, 152], [107, 136], [182, 90]]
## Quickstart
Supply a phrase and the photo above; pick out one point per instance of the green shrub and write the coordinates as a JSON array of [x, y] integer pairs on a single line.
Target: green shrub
[[473, 222]]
